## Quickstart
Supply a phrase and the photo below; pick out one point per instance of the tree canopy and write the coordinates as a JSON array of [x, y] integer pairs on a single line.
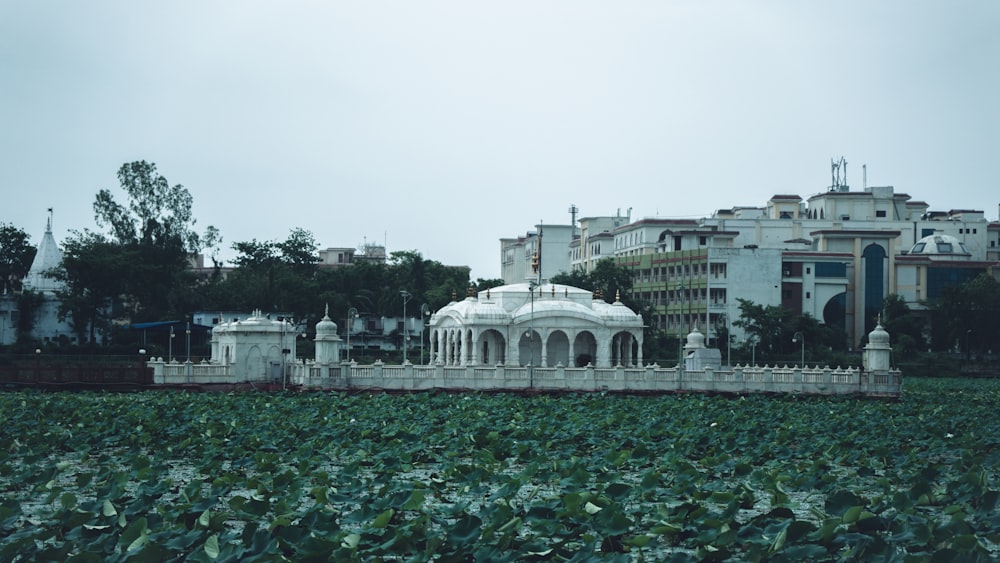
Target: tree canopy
[[16, 255]]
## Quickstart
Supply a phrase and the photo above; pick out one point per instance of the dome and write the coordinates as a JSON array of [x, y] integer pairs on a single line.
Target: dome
[[471, 310], [325, 325], [878, 336], [555, 308], [938, 245], [695, 339]]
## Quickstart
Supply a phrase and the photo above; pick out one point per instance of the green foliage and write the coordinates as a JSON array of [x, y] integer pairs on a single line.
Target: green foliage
[[775, 331], [141, 263], [91, 273], [28, 303], [968, 315], [606, 277], [905, 328], [16, 255], [355, 477], [156, 214]]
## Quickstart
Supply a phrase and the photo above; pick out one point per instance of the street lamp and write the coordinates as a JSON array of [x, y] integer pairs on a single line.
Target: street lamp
[[425, 310], [352, 314], [531, 335], [406, 295], [753, 350], [170, 346], [801, 339], [187, 332]]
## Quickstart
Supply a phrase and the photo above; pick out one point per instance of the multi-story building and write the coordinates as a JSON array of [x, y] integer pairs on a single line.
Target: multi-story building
[[835, 256], [548, 246]]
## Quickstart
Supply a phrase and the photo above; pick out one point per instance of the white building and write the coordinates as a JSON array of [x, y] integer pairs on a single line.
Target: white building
[[835, 256], [256, 348], [46, 326], [525, 324]]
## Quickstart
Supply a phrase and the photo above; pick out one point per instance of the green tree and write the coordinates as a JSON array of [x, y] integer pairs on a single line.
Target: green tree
[[905, 328], [153, 235], [967, 316], [92, 282], [606, 277], [765, 324], [16, 255], [275, 275]]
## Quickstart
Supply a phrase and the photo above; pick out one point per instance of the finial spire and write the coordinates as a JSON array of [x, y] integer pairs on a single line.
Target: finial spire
[[48, 224]]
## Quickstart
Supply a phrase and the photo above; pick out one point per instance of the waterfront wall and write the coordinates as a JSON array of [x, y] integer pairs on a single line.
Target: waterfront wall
[[651, 378]]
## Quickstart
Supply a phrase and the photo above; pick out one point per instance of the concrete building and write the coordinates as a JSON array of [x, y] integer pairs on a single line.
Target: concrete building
[[835, 256]]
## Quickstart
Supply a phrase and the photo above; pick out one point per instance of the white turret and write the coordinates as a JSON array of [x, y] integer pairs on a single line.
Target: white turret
[[327, 342]]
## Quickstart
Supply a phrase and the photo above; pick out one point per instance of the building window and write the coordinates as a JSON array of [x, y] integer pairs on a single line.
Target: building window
[[702, 240], [809, 270], [808, 294], [880, 213]]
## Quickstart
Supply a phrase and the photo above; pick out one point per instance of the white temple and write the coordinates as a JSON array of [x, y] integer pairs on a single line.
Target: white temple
[[542, 325]]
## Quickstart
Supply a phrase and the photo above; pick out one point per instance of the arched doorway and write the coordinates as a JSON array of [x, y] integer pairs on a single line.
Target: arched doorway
[[584, 349], [529, 348], [557, 349], [491, 348]]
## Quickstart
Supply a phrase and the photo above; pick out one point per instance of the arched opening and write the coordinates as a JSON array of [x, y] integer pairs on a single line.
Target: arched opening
[[529, 348], [835, 311], [585, 349], [557, 349], [491, 348]]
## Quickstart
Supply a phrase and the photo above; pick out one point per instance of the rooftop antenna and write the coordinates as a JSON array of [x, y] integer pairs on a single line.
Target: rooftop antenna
[[864, 176], [838, 175], [573, 210]]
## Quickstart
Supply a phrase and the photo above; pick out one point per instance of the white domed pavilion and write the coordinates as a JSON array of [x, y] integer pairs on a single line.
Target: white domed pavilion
[[527, 324]]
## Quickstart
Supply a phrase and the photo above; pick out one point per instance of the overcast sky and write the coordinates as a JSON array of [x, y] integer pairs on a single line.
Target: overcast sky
[[443, 126]]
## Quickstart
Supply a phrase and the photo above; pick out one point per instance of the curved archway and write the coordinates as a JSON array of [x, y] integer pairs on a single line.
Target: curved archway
[[491, 348], [835, 311], [584, 349], [529, 348], [557, 349], [254, 366]]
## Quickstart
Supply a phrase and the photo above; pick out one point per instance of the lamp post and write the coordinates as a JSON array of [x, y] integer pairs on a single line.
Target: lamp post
[[187, 333], [801, 339], [968, 351], [424, 311], [406, 299], [729, 341], [753, 350], [352, 314], [170, 346], [531, 335]]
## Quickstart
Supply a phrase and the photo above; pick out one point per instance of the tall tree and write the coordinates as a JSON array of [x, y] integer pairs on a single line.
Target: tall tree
[[157, 214], [764, 323], [146, 249], [91, 272], [280, 276], [16, 255]]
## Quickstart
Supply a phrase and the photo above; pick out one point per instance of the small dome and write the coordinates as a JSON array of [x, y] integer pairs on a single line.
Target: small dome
[[878, 335], [937, 245], [325, 325], [617, 313], [695, 339]]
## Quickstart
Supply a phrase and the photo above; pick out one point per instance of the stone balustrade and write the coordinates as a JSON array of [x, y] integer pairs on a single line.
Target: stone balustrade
[[650, 378]]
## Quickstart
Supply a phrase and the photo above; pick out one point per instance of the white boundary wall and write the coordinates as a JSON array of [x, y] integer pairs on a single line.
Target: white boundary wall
[[651, 378]]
